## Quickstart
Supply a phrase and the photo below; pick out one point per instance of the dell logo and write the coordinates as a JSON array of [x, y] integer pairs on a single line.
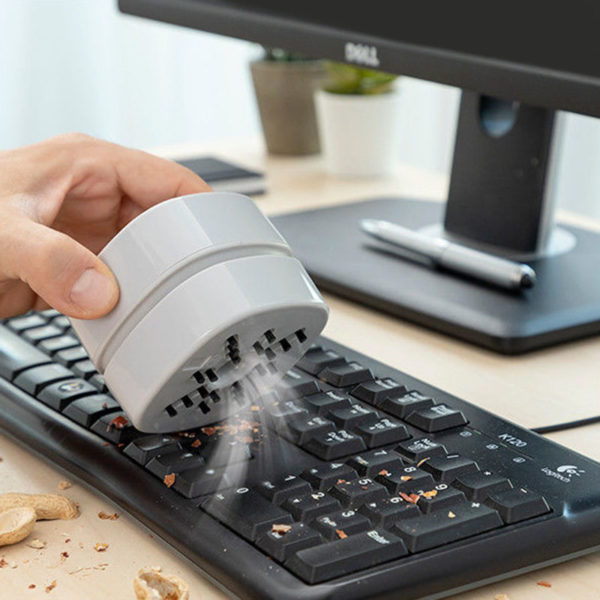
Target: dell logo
[[361, 54]]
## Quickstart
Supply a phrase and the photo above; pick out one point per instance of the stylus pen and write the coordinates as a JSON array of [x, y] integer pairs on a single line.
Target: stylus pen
[[454, 257]]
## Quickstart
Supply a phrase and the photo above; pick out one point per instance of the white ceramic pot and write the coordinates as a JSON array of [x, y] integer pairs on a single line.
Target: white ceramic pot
[[359, 133]]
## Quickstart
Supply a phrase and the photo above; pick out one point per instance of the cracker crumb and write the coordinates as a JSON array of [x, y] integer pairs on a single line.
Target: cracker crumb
[[429, 494], [37, 544], [3, 563], [50, 586], [423, 460], [100, 546], [108, 517], [196, 443], [64, 555], [280, 528], [451, 515], [544, 584], [31, 586], [169, 479], [341, 534], [412, 498], [64, 485], [406, 478], [383, 472]]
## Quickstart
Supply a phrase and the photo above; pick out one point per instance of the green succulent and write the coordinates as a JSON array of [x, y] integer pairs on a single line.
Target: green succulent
[[348, 79]]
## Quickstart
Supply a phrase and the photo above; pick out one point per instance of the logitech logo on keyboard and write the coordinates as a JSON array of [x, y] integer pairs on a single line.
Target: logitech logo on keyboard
[[564, 473]]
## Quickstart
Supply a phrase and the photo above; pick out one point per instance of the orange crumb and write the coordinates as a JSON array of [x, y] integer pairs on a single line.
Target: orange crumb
[[169, 479], [544, 584], [341, 534]]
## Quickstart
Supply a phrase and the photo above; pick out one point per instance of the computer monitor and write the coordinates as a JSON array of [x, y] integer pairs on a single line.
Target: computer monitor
[[517, 63]]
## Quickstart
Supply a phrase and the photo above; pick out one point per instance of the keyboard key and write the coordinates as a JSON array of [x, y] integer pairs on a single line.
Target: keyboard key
[[448, 468], [440, 497], [37, 334], [20, 324], [145, 448], [300, 429], [84, 369], [345, 374], [246, 512], [279, 490], [309, 506], [341, 557], [348, 417], [316, 359], [58, 395], [115, 427], [174, 462], [357, 492], [385, 512], [49, 313], [402, 406], [98, 382], [445, 526], [481, 484], [420, 448], [16, 355], [282, 545], [518, 504], [405, 480], [385, 431], [53, 345], [70, 356], [374, 392], [331, 445], [222, 453], [89, 408], [35, 379], [61, 322], [299, 383], [340, 524], [369, 464], [323, 477], [436, 418], [324, 402], [200, 481], [280, 412]]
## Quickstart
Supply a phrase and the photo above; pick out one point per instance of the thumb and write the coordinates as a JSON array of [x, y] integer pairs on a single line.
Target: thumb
[[68, 276]]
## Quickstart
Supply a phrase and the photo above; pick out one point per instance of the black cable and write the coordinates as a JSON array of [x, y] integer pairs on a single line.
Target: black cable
[[567, 425]]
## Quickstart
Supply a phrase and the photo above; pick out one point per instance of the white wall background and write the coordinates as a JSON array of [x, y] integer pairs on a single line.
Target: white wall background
[[78, 65]]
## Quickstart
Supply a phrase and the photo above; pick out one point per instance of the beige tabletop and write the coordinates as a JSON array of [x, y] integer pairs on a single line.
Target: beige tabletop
[[547, 386]]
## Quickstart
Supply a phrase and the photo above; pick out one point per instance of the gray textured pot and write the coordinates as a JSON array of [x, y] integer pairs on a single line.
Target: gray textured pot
[[284, 92]]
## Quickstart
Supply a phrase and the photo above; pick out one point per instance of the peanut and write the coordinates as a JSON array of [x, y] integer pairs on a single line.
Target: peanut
[[150, 584], [46, 506], [16, 524]]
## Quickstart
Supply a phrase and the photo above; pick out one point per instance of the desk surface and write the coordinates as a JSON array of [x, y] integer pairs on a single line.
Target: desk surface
[[548, 386]]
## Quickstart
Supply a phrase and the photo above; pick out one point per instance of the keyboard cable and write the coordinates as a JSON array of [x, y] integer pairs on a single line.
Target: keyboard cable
[[567, 425]]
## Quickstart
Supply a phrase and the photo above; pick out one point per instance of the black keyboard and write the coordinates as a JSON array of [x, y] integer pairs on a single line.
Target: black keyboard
[[354, 480]]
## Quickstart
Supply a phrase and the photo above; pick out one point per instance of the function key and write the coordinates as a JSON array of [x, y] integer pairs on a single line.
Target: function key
[[279, 490], [420, 448], [309, 506], [89, 408], [246, 512], [385, 512], [324, 476], [330, 445], [283, 542], [436, 418], [402, 406], [382, 432], [347, 555], [37, 334], [31, 321], [340, 524], [444, 526], [450, 467], [354, 415], [405, 480], [301, 428], [357, 492], [324, 402], [369, 464], [299, 383], [316, 359], [35, 379], [374, 392], [58, 395], [345, 374], [481, 484], [518, 504], [145, 448]]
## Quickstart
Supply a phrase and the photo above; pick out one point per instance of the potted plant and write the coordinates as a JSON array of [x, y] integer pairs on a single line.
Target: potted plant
[[357, 113], [284, 84]]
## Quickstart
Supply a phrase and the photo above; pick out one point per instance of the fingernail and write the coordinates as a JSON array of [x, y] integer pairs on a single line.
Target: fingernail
[[93, 292]]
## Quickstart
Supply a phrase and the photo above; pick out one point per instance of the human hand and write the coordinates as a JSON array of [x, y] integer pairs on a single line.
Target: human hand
[[61, 201]]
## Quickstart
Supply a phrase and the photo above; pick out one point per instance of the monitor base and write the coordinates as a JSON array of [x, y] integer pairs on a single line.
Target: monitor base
[[563, 306]]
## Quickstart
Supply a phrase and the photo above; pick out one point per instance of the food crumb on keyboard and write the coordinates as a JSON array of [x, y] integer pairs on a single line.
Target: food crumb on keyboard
[[169, 479], [544, 584], [108, 517], [100, 546], [451, 515], [341, 534], [280, 528]]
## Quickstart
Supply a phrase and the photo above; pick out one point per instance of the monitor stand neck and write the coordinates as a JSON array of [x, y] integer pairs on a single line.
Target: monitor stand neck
[[498, 196]]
